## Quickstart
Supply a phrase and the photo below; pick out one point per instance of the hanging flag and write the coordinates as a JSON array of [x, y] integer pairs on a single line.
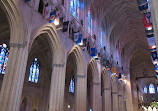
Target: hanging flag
[[79, 41], [46, 11], [52, 16], [150, 35], [143, 6], [114, 70], [119, 76], [93, 53], [76, 36], [147, 23], [117, 73], [148, 15], [65, 26], [149, 30], [151, 41], [154, 55], [84, 45]]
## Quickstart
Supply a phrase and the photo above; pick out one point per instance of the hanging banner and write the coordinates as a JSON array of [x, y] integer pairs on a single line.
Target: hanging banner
[[147, 23], [119, 76], [76, 36], [114, 70], [46, 11], [151, 41], [52, 16], [143, 6], [154, 55], [79, 41], [65, 26], [93, 53]]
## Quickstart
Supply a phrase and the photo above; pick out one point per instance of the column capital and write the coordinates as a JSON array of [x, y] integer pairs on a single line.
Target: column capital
[[58, 65], [106, 89], [80, 76], [114, 92], [96, 83], [18, 45]]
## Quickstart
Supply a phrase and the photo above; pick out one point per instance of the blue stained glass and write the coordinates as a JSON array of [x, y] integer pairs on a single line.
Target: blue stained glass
[[145, 89], [157, 89], [72, 86], [34, 71], [74, 8], [151, 89], [90, 23], [4, 53]]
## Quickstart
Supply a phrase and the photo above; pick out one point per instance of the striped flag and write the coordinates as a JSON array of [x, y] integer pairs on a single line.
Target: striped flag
[[151, 41]]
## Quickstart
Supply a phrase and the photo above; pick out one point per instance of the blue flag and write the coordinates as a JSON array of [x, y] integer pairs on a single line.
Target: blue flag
[[52, 16], [93, 53], [79, 41]]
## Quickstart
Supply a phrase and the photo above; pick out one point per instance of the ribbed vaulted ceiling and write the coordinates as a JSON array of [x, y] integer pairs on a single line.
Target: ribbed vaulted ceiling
[[122, 23]]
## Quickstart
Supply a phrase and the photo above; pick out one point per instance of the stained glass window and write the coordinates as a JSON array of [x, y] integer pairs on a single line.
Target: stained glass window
[[74, 8], [151, 89], [157, 89], [145, 89], [72, 86], [101, 38], [4, 53], [90, 22], [34, 71]]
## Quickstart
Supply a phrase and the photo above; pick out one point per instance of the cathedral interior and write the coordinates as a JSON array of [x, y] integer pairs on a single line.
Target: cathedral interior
[[78, 55]]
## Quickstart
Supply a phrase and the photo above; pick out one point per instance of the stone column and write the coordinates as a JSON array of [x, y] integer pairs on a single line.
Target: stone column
[[56, 100], [81, 93], [115, 101], [107, 99], [13, 80], [96, 96], [121, 103]]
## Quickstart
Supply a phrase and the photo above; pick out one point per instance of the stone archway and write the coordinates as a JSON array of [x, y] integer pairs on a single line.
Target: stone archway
[[75, 68], [57, 65], [93, 87]]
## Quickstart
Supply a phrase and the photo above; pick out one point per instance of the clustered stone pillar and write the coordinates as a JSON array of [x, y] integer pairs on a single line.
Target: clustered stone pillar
[[12, 86], [57, 88], [115, 101], [121, 103], [107, 99], [81, 93], [96, 96]]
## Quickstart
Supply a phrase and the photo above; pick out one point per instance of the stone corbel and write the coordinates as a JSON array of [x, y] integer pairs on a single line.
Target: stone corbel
[[18, 45], [58, 65]]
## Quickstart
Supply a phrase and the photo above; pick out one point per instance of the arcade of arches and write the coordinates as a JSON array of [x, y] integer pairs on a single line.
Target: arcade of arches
[[76, 55]]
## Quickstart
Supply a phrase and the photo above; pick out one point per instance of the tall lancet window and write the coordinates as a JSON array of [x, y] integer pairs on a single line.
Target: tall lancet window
[[34, 71], [90, 22], [145, 89], [72, 85], [74, 8], [151, 89], [4, 53]]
